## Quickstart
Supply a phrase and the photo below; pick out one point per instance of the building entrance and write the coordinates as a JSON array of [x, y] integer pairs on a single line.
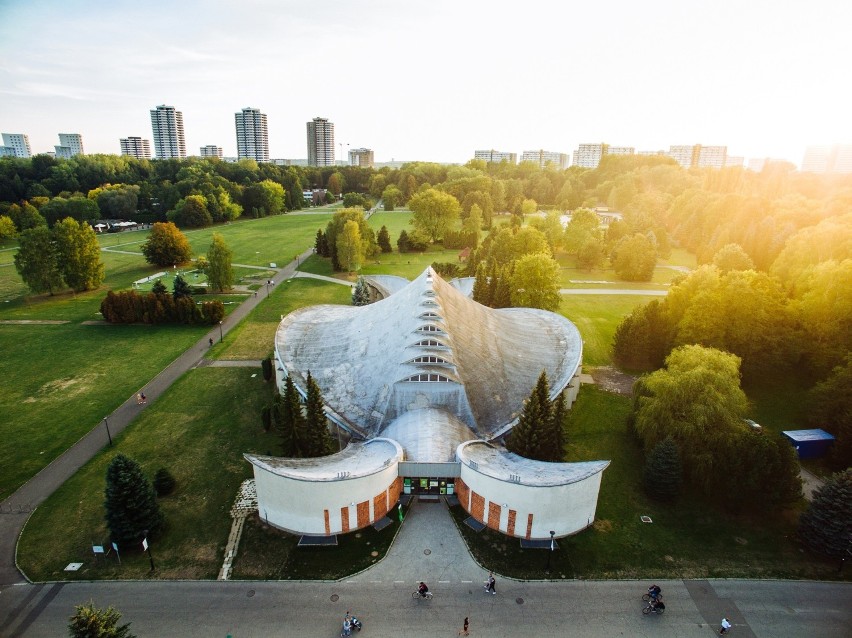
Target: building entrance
[[428, 485]]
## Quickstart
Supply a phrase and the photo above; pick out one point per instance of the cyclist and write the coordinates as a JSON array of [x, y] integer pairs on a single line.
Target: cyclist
[[654, 592], [422, 589]]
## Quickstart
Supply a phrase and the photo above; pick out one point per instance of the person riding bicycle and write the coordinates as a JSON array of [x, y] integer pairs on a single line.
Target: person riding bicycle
[[654, 592], [422, 589], [657, 604]]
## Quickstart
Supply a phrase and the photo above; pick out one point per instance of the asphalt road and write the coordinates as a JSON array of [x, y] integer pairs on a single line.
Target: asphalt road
[[593, 609]]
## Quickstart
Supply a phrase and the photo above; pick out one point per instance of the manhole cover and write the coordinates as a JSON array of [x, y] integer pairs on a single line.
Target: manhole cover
[[427, 551], [520, 601], [335, 598], [250, 593]]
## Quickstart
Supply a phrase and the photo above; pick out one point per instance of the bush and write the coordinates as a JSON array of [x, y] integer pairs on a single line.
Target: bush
[[131, 307], [447, 270], [266, 364], [663, 475], [266, 417], [164, 482]]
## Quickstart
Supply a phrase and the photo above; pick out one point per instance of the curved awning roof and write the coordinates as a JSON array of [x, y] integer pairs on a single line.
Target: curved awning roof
[[428, 436]]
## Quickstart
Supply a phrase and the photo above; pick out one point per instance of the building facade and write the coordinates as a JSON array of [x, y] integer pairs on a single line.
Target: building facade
[[70, 144], [403, 382], [689, 155], [135, 147], [828, 159], [211, 150], [252, 135], [320, 142], [543, 158], [495, 157], [589, 155], [362, 157], [19, 143], [169, 140]]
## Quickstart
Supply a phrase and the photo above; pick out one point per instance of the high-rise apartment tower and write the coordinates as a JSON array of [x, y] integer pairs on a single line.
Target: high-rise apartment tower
[[169, 141], [135, 147], [70, 144], [252, 135], [320, 142], [19, 143]]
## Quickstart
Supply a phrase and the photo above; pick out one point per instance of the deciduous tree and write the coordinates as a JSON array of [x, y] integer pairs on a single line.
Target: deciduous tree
[[434, 212], [535, 282], [79, 255], [37, 260], [166, 245], [635, 258], [350, 248], [220, 274]]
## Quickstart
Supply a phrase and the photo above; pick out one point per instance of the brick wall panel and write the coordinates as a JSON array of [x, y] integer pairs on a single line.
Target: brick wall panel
[[380, 505], [344, 519], [327, 523], [510, 529], [529, 525], [477, 507], [494, 516], [363, 514]]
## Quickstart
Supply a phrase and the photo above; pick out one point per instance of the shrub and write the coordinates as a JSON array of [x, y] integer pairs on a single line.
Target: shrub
[[164, 482]]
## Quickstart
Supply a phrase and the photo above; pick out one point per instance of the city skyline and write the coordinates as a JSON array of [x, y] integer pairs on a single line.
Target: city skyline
[[761, 79]]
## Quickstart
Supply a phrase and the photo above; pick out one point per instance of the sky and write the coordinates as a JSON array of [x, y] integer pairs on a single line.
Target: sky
[[434, 80]]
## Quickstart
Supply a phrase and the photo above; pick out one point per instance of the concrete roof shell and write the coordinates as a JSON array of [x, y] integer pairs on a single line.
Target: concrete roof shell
[[487, 360]]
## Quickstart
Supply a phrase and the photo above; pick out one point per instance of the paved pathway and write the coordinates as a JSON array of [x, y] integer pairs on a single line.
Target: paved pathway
[[15, 510], [612, 291]]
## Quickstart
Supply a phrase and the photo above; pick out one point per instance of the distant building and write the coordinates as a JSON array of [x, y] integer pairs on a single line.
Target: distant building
[[70, 144], [697, 155], [828, 159], [651, 153], [169, 140], [543, 158], [734, 160], [393, 164], [320, 142], [362, 157], [620, 150], [7, 151], [136, 147], [211, 150], [252, 135], [495, 157], [19, 143], [589, 155], [290, 162]]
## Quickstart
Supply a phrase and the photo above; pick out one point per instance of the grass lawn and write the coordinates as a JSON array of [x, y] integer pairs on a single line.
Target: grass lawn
[[596, 317], [199, 430], [253, 338], [687, 540]]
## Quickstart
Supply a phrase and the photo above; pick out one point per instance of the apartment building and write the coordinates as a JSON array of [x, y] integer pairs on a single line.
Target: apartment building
[[169, 140], [19, 143], [252, 135], [495, 157], [543, 158], [320, 142], [135, 147], [362, 157]]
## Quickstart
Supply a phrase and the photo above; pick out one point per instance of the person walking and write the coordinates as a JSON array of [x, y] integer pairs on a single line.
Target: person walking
[[726, 626], [491, 584], [465, 630]]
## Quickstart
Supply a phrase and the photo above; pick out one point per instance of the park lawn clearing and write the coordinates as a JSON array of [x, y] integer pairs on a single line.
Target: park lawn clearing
[[254, 337], [690, 539], [198, 430], [597, 317]]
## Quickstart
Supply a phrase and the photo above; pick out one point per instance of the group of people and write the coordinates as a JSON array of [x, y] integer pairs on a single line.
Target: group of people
[[350, 622], [655, 600]]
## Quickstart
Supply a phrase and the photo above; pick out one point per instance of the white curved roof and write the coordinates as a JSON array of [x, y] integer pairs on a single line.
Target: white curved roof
[[497, 463], [427, 346], [428, 435], [356, 460]]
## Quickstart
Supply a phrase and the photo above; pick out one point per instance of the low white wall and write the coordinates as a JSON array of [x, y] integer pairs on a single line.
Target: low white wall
[[564, 509], [299, 506]]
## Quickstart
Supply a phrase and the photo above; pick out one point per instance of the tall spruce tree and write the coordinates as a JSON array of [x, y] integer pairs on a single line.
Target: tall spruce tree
[[663, 473], [319, 438], [557, 428], [531, 437], [90, 622], [480, 286], [493, 280], [289, 420], [360, 296], [180, 288], [826, 526], [383, 240], [503, 289], [131, 503]]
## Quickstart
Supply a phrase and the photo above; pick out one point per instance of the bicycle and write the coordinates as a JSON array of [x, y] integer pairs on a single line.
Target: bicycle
[[647, 597], [651, 608], [427, 595]]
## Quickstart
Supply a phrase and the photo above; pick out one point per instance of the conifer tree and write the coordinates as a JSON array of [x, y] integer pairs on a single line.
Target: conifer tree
[[826, 526], [383, 240], [503, 289], [480, 286], [319, 438], [531, 438], [402, 244], [360, 296], [180, 288], [159, 288], [131, 503], [493, 277], [663, 474], [90, 622], [289, 421], [318, 242], [557, 435]]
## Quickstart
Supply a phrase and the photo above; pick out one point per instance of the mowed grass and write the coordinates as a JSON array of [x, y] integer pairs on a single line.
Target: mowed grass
[[198, 430], [254, 337], [597, 317], [690, 539]]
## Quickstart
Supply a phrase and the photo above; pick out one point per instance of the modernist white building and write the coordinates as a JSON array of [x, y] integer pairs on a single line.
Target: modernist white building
[[70, 144], [169, 140], [252, 135], [495, 157], [19, 143], [320, 142], [425, 382], [543, 158], [211, 150], [135, 147]]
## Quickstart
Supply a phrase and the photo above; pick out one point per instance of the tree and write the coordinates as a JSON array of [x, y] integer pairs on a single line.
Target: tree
[[79, 255], [402, 242], [37, 261], [264, 198], [166, 245], [434, 212], [335, 228], [191, 212], [530, 437], [26, 216], [528, 207], [481, 291], [164, 482], [360, 295], [663, 474], [556, 443], [826, 526], [583, 225], [289, 420], [219, 271], [131, 503], [335, 184], [732, 257], [319, 441], [391, 197], [7, 228], [831, 408], [591, 253], [535, 282], [473, 225], [634, 258], [181, 289], [118, 201], [384, 240], [356, 200], [350, 248], [90, 622]]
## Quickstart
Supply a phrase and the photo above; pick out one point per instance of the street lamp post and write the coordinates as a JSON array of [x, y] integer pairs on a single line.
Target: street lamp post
[[221, 336], [550, 553], [109, 436]]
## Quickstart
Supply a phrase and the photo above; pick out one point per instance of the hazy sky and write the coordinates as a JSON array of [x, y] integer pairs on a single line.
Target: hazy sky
[[433, 79]]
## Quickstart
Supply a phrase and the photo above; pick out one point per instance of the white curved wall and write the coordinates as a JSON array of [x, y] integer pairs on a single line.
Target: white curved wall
[[315, 507], [565, 509]]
